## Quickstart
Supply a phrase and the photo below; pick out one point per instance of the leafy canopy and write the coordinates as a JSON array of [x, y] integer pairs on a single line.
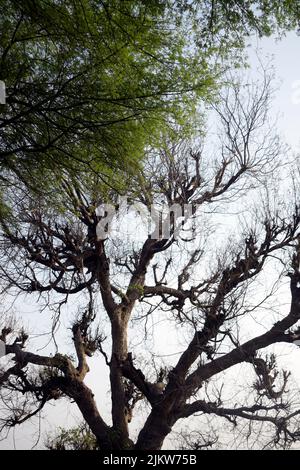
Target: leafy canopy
[[95, 81]]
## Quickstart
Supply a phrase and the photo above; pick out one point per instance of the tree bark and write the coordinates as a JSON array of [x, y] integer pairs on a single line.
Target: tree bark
[[157, 427], [119, 354], [84, 399]]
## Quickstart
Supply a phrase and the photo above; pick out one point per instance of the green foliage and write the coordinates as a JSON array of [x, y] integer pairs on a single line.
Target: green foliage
[[136, 287], [233, 20], [77, 438], [91, 84]]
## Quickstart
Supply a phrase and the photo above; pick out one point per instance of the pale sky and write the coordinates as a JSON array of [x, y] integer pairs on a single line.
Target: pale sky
[[285, 57]]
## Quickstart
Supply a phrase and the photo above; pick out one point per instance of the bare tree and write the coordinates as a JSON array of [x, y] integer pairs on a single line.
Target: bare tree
[[200, 277]]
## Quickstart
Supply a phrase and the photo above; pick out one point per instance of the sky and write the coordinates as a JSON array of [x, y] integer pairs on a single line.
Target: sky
[[284, 56]]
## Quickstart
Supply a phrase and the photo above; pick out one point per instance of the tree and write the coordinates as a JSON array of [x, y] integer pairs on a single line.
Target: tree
[[201, 280], [93, 83], [79, 438]]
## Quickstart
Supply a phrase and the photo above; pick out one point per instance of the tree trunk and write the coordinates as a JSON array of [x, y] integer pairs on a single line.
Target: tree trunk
[[119, 354], [84, 399], [155, 430]]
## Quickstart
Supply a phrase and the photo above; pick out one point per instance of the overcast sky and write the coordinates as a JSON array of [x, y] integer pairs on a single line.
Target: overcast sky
[[285, 57]]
